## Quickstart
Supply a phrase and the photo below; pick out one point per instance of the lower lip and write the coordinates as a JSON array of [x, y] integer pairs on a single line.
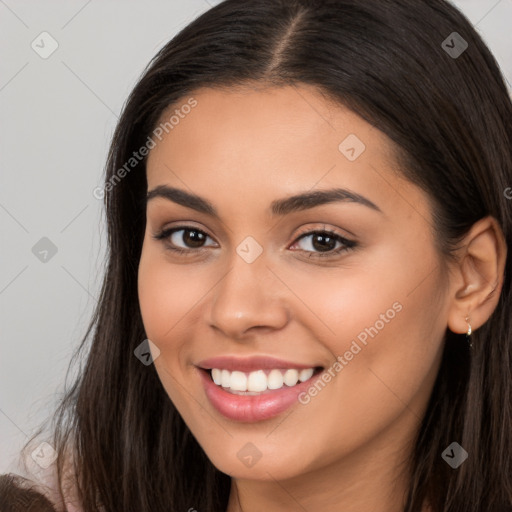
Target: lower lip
[[252, 408]]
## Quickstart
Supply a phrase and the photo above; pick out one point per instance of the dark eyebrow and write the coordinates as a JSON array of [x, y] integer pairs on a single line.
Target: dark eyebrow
[[187, 199], [296, 203], [318, 197]]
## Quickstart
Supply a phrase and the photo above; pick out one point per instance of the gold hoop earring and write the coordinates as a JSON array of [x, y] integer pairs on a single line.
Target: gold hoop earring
[[468, 334]]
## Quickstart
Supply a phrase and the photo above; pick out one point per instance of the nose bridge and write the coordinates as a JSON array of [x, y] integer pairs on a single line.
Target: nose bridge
[[248, 295]]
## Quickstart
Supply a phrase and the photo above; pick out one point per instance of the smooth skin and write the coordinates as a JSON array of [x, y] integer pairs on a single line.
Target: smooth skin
[[241, 150]]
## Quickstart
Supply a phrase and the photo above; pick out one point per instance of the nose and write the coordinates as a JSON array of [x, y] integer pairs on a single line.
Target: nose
[[249, 298]]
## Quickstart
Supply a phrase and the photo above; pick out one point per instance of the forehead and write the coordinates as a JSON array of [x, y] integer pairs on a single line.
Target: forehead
[[271, 142], [252, 127]]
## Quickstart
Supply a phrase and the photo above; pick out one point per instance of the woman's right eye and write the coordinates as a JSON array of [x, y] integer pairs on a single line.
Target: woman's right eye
[[191, 237]]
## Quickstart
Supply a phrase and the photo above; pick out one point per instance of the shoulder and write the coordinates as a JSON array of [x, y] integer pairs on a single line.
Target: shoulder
[[29, 480], [18, 494]]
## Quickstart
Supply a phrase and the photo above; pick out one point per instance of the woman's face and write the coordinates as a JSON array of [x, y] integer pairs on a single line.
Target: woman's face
[[254, 280]]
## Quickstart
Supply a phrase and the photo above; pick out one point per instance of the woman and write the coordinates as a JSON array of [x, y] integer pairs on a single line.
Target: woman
[[307, 304]]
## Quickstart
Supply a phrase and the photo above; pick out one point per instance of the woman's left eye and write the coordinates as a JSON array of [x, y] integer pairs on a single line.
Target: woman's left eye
[[326, 241], [193, 239]]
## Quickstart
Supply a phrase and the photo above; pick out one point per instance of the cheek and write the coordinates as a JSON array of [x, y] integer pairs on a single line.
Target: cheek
[[167, 294], [385, 314], [339, 304], [385, 320]]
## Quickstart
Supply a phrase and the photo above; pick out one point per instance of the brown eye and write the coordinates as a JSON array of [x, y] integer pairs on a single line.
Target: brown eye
[[183, 239], [323, 243], [192, 238]]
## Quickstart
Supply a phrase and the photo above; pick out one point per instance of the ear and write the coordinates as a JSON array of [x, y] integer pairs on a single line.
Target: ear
[[478, 276]]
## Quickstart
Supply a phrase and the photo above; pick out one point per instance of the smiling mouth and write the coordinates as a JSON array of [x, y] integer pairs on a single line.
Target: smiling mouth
[[260, 381]]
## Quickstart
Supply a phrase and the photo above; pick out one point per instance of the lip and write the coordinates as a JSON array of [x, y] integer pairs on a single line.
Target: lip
[[253, 408], [249, 364]]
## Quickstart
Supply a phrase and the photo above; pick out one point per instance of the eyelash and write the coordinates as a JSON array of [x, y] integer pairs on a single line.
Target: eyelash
[[347, 244]]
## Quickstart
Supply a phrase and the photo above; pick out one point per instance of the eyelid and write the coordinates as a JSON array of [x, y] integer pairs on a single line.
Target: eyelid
[[187, 224], [324, 228]]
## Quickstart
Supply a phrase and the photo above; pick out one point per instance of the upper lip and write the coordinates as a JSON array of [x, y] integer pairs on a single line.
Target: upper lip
[[248, 364]]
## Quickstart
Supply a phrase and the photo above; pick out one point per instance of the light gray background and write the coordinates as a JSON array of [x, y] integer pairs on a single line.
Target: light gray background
[[57, 117]]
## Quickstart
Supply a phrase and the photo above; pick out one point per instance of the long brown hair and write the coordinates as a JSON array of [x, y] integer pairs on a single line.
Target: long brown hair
[[451, 119]]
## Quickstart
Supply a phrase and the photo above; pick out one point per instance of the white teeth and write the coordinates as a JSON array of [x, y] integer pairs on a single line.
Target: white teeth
[[275, 379], [306, 374], [225, 377], [259, 380], [291, 377], [238, 381], [217, 376]]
